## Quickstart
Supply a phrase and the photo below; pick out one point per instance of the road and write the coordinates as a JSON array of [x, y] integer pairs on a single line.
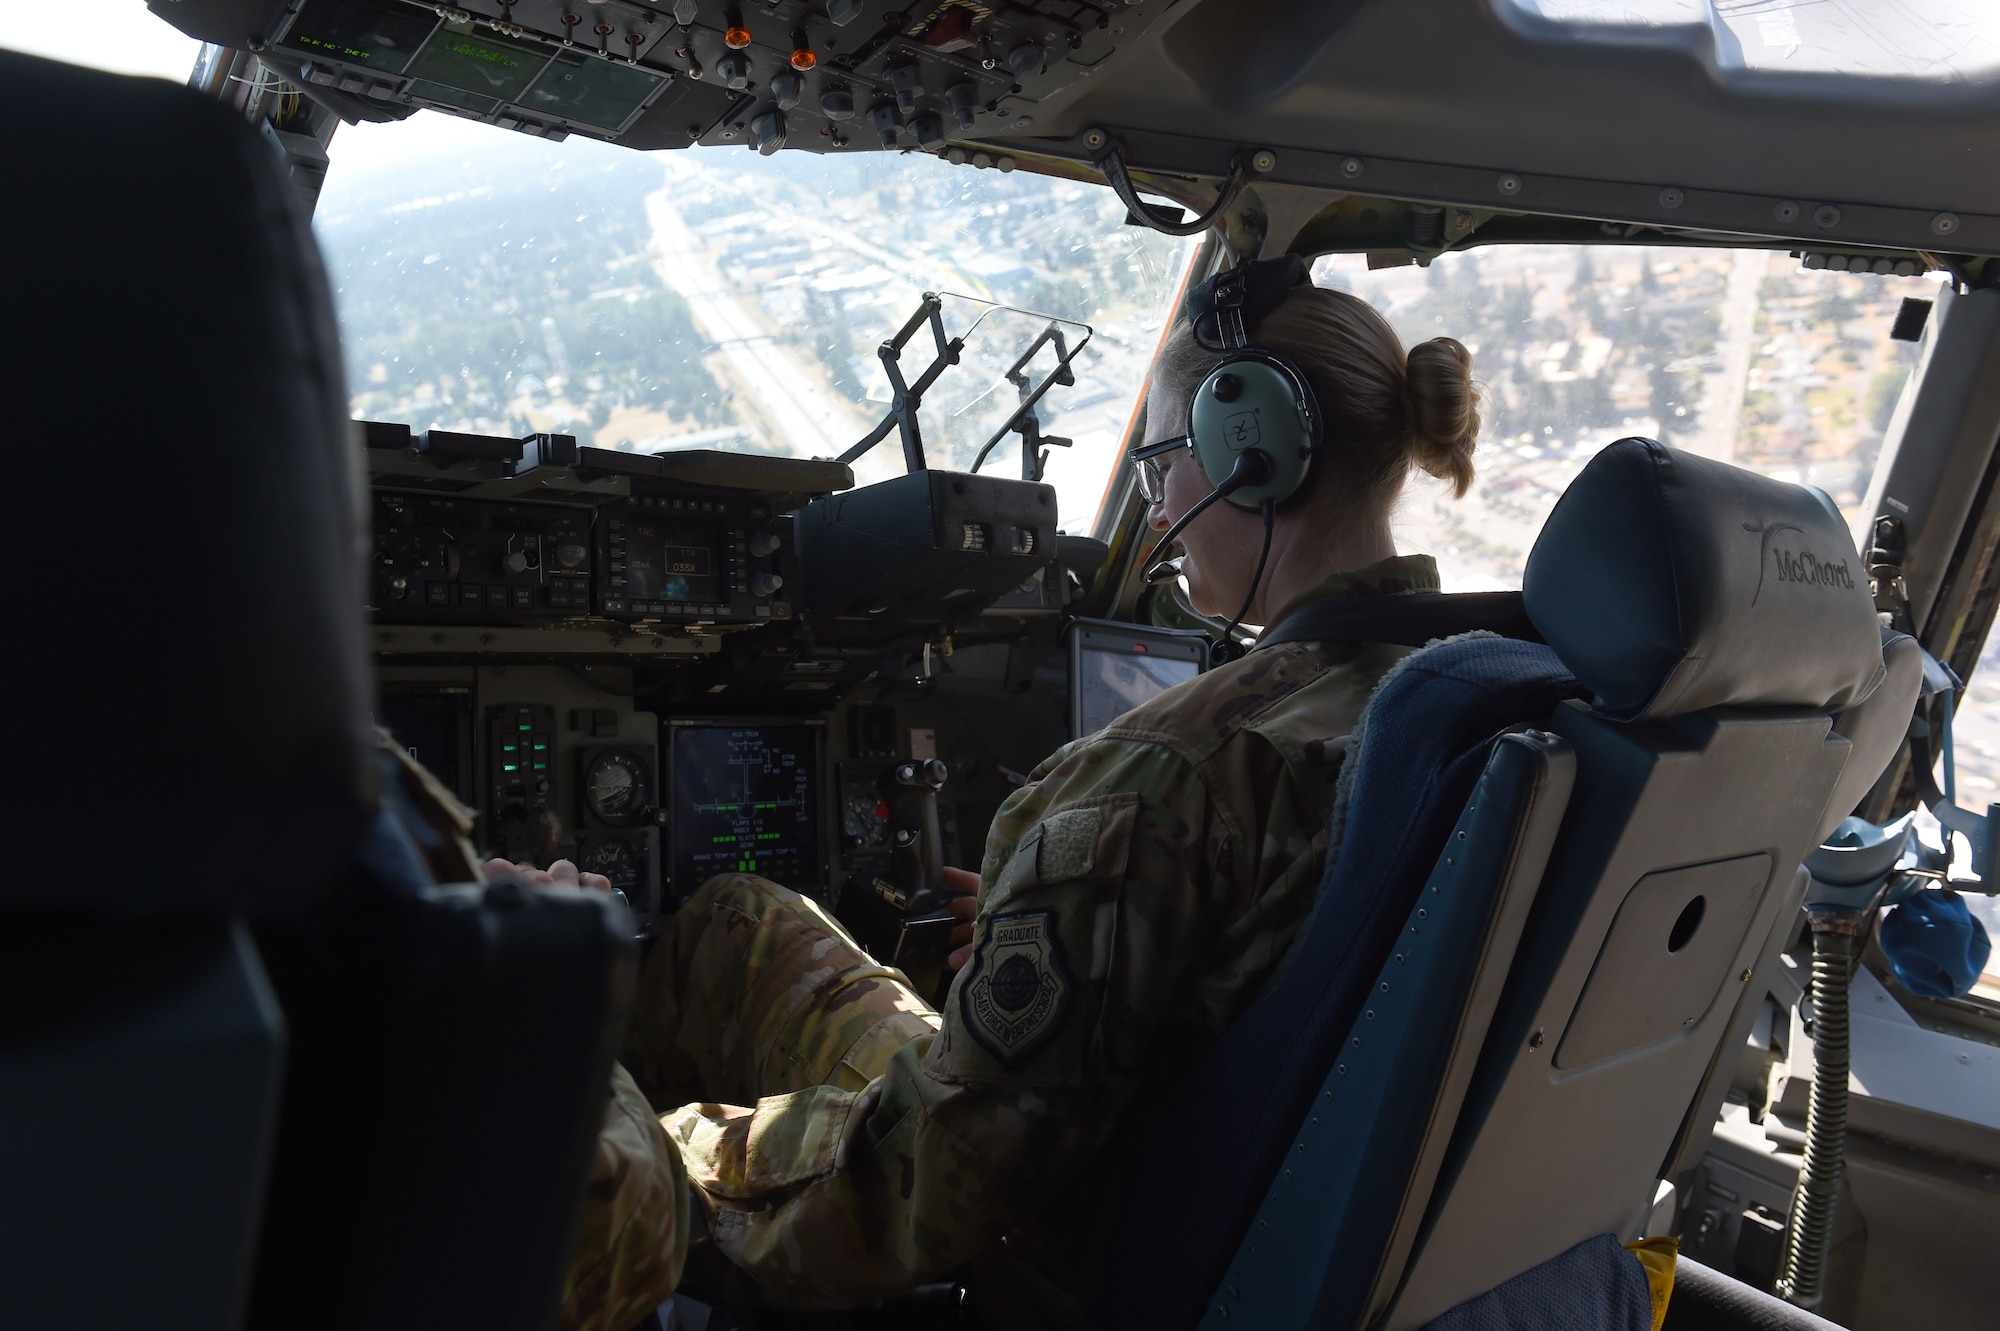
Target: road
[[1738, 343], [805, 416]]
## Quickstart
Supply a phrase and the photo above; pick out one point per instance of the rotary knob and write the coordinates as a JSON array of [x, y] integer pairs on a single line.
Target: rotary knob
[[569, 554], [1025, 60], [907, 82], [764, 584], [837, 103], [963, 98], [883, 116], [763, 544], [515, 562]]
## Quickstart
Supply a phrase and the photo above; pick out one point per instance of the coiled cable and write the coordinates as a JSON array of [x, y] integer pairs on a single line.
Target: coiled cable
[[1811, 1223]]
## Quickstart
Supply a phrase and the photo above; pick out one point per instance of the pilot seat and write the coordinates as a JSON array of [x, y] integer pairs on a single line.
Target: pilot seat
[[1565, 870]]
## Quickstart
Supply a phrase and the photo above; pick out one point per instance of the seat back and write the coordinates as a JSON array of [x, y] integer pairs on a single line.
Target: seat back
[[1621, 1003], [253, 1065], [1709, 765], [189, 711], [1676, 862]]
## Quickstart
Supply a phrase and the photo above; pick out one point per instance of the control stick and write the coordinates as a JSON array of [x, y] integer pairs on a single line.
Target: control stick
[[917, 844], [901, 918]]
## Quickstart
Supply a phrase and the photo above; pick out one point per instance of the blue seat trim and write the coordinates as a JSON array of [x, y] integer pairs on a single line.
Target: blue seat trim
[[1321, 1240]]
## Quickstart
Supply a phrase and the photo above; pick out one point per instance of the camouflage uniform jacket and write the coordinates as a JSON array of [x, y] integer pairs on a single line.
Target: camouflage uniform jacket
[[1137, 893]]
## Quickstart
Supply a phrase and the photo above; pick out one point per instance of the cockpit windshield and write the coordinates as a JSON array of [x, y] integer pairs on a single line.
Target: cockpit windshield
[[496, 284], [1927, 41], [1743, 355]]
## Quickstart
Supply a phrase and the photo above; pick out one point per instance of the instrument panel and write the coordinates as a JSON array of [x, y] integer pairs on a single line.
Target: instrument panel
[[462, 561], [680, 558], [616, 659]]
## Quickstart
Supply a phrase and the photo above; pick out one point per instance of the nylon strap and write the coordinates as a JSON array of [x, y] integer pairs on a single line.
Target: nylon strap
[[1409, 619]]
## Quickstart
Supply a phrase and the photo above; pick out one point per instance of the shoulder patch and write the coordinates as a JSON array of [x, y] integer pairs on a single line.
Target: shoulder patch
[[1068, 847], [1020, 990]]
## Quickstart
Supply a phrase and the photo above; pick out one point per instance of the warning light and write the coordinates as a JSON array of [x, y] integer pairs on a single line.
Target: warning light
[[735, 38], [803, 59]]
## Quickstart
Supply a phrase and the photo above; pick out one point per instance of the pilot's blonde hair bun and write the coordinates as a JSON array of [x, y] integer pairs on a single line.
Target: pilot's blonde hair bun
[[1384, 410], [1444, 410]]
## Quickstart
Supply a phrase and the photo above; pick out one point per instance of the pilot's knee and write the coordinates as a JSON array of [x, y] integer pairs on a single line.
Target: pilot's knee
[[750, 893]]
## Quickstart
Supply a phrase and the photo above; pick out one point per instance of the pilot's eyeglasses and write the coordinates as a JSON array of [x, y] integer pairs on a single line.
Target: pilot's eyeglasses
[[1152, 472]]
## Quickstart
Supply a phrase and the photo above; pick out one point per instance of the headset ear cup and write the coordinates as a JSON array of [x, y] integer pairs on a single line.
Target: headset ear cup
[[1254, 401]]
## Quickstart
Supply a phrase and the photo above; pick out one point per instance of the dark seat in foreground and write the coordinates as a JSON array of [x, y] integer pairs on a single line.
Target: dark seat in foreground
[[252, 1065], [1561, 870]]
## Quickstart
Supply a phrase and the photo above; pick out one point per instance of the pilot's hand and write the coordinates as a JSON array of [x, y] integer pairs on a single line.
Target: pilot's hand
[[562, 873], [966, 907]]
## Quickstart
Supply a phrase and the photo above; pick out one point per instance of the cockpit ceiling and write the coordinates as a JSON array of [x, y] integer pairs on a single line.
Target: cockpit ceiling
[[1834, 126]]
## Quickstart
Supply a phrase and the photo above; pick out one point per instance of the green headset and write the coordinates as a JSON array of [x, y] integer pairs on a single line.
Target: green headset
[[1252, 424], [1256, 400]]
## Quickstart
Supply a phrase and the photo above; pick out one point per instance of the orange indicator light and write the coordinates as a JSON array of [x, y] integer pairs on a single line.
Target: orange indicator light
[[736, 38], [803, 60]]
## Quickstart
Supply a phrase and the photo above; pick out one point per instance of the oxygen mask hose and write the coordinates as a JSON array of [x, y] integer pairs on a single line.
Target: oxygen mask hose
[[1835, 944]]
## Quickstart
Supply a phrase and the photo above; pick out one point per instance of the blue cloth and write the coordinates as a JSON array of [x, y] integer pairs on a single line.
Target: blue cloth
[[1595, 1286], [1934, 944], [1424, 740]]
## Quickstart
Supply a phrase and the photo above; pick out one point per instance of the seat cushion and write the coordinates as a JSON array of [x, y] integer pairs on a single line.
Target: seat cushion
[[1595, 1286]]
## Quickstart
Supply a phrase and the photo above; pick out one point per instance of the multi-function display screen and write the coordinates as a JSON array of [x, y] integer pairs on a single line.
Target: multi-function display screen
[[379, 34], [467, 65], [1116, 667], [666, 561], [746, 799]]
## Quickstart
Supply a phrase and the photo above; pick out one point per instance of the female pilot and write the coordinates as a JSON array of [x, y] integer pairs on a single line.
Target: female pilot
[[837, 1139]]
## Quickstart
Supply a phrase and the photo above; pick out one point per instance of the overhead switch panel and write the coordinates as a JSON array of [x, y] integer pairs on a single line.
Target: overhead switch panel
[[653, 76]]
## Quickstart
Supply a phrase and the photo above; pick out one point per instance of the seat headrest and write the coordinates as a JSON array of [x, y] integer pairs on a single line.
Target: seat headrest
[[191, 691], [1670, 583]]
